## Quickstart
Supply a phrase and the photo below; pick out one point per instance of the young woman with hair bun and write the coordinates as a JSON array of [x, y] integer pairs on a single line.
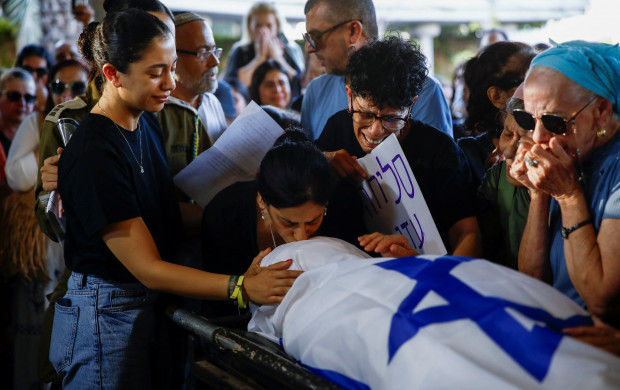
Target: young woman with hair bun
[[122, 218]]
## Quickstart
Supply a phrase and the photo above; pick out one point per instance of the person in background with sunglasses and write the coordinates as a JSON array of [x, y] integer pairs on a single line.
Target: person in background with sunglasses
[[37, 61], [17, 97], [569, 162], [69, 79], [384, 79]]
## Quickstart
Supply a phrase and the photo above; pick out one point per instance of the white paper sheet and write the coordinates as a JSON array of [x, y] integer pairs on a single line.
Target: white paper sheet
[[236, 156]]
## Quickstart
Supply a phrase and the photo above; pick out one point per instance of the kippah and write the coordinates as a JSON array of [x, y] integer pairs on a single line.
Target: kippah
[[185, 17]]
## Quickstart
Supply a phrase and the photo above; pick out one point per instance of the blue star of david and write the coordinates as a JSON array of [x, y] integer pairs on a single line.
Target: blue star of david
[[531, 349]]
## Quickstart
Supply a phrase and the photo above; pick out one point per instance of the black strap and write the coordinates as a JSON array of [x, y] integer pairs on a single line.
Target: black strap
[[566, 231]]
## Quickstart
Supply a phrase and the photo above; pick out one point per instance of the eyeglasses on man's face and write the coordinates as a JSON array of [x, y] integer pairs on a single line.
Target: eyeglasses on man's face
[[314, 38], [203, 54], [552, 122], [14, 97], [76, 87], [389, 123]]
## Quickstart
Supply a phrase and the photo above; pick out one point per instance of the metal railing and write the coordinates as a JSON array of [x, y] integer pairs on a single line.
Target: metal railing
[[236, 359]]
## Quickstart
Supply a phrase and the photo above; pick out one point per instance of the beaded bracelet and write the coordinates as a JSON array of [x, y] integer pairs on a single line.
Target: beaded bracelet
[[232, 282]]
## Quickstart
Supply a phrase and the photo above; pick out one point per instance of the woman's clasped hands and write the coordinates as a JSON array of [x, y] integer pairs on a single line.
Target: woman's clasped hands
[[546, 168]]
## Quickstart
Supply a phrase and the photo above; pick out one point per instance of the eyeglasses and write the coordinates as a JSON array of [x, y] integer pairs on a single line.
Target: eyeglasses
[[14, 96], [39, 71], [553, 123], [203, 54], [312, 41], [390, 123], [76, 87]]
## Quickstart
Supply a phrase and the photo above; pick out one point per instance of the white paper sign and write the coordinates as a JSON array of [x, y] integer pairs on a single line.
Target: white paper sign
[[235, 156], [393, 201]]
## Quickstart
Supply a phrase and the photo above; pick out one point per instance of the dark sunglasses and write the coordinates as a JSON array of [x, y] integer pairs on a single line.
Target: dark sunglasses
[[553, 123], [14, 96], [39, 71], [76, 87]]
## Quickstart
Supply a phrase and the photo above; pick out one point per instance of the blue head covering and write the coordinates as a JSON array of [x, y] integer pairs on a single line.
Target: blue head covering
[[594, 66]]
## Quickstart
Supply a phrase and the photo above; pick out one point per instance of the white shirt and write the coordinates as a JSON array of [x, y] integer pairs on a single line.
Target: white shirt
[[21, 164], [212, 116]]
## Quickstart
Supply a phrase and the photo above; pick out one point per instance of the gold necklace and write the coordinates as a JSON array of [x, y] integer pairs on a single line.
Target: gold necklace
[[125, 138]]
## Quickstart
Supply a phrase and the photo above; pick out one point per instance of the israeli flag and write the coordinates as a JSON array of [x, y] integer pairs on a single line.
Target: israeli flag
[[428, 322]]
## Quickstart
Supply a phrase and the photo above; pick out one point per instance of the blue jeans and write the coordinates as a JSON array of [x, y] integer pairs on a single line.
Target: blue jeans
[[105, 335]]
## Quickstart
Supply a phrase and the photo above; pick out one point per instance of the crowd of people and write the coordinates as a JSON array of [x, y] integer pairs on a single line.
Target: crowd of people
[[535, 187]]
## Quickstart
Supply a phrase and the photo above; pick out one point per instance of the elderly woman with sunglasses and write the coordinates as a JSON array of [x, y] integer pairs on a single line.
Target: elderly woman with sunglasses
[[17, 97], [571, 166]]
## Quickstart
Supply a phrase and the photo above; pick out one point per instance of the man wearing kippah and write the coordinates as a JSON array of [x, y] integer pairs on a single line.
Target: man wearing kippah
[[196, 75]]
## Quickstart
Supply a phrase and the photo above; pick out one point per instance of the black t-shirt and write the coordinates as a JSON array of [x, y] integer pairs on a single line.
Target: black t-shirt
[[229, 241], [228, 238], [439, 166], [100, 183]]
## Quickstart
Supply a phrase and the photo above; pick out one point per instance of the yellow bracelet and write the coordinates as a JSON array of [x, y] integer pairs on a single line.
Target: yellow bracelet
[[238, 294]]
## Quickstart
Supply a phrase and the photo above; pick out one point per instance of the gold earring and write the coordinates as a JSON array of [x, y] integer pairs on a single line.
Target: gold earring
[[601, 133]]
